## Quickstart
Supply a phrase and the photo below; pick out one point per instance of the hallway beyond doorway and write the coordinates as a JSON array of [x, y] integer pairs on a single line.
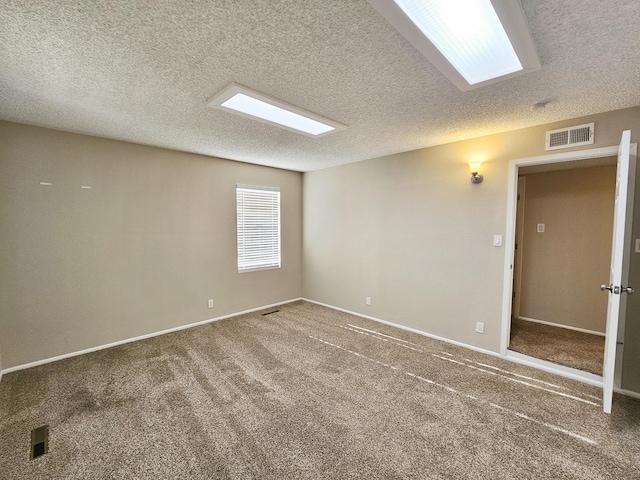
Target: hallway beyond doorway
[[582, 351]]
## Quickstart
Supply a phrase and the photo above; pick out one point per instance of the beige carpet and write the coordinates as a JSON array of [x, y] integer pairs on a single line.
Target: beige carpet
[[309, 393], [566, 347]]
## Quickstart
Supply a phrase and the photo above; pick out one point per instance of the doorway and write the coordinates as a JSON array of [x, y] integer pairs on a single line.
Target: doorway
[[564, 219], [619, 267]]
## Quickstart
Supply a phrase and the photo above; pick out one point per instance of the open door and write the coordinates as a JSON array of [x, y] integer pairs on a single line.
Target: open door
[[617, 283]]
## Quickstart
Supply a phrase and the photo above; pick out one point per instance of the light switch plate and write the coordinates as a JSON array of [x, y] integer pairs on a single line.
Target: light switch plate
[[497, 240], [540, 228]]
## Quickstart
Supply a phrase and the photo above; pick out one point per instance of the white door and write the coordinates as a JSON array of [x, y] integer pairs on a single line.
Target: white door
[[616, 288]]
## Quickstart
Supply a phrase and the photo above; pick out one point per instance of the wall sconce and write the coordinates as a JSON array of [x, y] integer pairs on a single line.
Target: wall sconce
[[475, 168]]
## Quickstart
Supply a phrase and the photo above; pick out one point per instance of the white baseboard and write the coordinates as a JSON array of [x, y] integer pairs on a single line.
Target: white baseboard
[[402, 327], [561, 370], [135, 339], [567, 372], [515, 357], [577, 329], [627, 393]]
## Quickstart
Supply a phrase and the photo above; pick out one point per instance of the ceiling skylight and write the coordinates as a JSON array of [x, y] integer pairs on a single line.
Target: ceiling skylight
[[241, 100], [473, 42], [468, 33]]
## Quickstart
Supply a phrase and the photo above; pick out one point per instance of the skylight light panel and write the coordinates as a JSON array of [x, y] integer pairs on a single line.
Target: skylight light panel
[[241, 100], [472, 42], [468, 33], [257, 108]]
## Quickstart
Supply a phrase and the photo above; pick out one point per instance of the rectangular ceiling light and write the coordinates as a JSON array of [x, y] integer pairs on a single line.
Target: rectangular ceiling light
[[243, 101], [473, 42]]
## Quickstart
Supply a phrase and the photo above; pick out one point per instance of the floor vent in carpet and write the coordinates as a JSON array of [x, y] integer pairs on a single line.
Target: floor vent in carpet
[[39, 441], [269, 313]]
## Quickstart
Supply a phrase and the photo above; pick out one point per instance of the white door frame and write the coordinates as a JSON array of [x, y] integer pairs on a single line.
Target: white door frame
[[510, 231], [517, 256]]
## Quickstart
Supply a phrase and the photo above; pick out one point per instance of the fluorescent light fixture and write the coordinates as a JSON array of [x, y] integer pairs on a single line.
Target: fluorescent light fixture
[[266, 111], [468, 33], [472, 42], [243, 101]]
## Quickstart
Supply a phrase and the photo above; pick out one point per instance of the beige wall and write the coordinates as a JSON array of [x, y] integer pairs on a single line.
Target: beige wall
[[412, 232], [155, 237], [562, 267], [140, 252]]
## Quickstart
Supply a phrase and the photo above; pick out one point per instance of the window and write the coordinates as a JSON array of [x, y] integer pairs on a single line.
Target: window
[[258, 211]]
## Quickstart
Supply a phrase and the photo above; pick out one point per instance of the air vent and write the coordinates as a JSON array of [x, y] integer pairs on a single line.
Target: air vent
[[570, 137]]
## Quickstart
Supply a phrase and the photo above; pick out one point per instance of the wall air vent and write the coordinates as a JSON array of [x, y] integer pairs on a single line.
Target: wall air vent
[[570, 137]]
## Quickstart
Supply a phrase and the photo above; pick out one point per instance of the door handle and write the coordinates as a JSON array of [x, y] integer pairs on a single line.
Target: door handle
[[617, 290]]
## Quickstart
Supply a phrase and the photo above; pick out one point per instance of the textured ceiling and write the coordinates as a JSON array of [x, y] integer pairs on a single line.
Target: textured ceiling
[[142, 70]]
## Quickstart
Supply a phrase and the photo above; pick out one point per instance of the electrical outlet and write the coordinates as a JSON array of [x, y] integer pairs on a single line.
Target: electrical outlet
[[367, 300], [210, 303], [479, 327]]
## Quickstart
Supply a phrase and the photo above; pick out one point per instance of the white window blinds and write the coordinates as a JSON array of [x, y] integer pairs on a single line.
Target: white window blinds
[[258, 210]]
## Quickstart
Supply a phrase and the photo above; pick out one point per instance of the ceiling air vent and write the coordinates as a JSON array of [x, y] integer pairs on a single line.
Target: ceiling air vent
[[570, 136]]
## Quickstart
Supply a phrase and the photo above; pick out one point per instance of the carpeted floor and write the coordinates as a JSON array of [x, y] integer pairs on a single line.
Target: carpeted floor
[[566, 347], [309, 393]]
